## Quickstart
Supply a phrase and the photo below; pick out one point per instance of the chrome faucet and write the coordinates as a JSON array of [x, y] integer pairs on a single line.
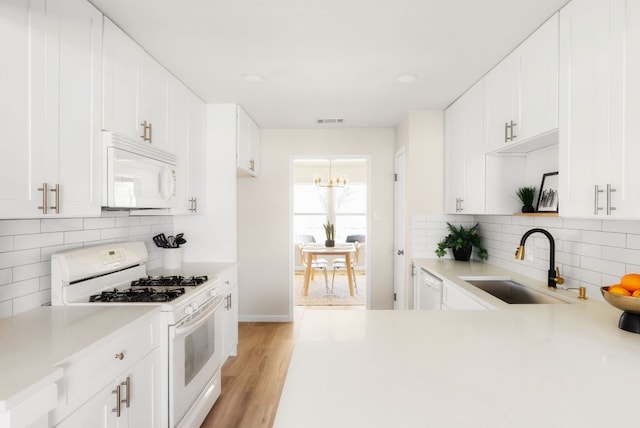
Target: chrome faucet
[[554, 272]]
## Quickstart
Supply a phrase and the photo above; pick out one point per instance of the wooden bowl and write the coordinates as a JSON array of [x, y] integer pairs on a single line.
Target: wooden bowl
[[626, 303]]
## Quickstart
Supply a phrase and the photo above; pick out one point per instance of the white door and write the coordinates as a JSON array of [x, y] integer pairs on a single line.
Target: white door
[[501, 109], [399, 262]]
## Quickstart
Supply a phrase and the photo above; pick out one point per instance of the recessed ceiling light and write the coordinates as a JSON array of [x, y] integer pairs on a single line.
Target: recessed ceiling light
[[406, 78], [253, 78]]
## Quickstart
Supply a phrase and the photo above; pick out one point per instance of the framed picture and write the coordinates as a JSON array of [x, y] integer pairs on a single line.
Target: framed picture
[[548, 196]]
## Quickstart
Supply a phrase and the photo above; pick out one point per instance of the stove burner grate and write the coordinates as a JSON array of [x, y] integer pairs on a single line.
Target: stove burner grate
[[170, 281], [138, 295]]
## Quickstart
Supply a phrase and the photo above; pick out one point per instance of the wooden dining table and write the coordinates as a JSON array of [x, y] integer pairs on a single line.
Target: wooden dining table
[[311, 251]]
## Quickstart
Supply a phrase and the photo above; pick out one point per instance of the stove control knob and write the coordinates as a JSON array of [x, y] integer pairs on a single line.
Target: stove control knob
[[188, 310]]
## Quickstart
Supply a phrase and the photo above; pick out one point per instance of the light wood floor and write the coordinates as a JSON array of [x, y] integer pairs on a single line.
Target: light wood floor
[[252, 382]]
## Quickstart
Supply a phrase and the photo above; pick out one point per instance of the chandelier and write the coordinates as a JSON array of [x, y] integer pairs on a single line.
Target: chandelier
[[333, 181]]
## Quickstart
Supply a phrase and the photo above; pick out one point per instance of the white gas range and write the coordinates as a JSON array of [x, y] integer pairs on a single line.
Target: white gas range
[[115, 274]]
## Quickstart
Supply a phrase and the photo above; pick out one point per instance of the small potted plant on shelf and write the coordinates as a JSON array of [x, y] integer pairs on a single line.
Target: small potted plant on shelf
[[525, 195], [461, 242], [329, 231]]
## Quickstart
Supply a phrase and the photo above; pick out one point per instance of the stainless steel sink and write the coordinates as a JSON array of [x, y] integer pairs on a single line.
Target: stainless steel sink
[[512, 292]]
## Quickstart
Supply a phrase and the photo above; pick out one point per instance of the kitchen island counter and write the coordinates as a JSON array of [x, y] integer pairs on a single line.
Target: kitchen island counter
[[540, 365]]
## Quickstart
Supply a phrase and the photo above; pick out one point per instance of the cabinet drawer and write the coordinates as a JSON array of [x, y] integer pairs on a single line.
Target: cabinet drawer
[[87, 374]]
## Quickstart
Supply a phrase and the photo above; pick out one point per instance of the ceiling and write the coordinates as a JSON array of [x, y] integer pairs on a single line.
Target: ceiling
[[330, 58]]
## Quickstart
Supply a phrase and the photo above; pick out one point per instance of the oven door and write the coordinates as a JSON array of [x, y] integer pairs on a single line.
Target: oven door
[[195, 354]]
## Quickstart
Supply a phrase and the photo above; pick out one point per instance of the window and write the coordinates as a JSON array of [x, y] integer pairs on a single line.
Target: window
[[312, 208]]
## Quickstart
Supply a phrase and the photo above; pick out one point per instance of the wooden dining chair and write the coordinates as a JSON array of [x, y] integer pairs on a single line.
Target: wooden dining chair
[[340, 263], [315, 264]]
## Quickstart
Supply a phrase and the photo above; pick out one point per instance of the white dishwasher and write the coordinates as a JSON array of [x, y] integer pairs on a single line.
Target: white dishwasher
[[428, 291]]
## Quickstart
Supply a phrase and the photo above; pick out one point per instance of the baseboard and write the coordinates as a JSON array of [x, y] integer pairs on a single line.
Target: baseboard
[[263, 318]]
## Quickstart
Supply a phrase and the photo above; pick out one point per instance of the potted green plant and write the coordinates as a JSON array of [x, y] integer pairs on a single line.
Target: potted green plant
[[461, 242], [525, 195], [329, 231]]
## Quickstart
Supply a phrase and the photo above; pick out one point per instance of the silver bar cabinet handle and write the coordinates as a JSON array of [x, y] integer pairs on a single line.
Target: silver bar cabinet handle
[[118, 398], [44, 190], [609, 207], [127, 385], [596, 196], [56, 190], [513, 124]]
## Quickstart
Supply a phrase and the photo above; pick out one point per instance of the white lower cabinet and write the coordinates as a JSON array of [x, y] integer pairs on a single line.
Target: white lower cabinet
[[116, 385], [230, 303], [453, 297], [131, 400]]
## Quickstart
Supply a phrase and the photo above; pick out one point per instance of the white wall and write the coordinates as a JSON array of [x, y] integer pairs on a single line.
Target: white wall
[[26, 247], [264, 216]]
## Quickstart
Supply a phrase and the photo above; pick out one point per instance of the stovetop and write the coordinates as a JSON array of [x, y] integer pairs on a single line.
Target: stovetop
[[138, 295], [153, 289]]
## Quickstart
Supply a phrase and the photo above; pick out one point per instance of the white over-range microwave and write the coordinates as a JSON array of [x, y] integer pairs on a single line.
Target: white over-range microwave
[[136, 175]]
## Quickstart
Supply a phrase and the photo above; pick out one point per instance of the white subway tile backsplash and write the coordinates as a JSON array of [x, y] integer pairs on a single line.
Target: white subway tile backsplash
[[6, 276], [545, 222], [603, 266], [610, 239], [127, 221], [99, 223], [26, 247], [116, 232], [6, 243], [622, 226], [633, 241], [20, 288], [19, 227], [60, 224], [81, 236], [584, 224], [19, 258], [24, 242], [34, 270]]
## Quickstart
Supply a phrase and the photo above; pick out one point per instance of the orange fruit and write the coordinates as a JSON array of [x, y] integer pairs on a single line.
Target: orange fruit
[[618, 289], [636, 293], [631, 282]]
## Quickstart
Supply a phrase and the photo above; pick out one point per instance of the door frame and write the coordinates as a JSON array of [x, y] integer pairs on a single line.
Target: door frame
[[292, 259], [399, 230]]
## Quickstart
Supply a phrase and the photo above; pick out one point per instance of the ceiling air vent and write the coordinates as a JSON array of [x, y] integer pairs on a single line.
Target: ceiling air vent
[[330, 120]]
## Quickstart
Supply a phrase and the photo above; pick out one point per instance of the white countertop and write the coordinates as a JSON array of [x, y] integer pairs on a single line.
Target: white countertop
[[531, 366], [33, 344]]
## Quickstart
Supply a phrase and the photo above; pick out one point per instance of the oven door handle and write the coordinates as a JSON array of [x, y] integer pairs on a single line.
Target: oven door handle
[[193, 324]]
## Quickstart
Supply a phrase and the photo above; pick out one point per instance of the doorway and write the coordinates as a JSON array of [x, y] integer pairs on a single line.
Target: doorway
[[334, 190]]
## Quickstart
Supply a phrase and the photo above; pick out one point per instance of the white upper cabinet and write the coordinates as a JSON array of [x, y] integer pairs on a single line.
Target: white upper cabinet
[[50, 108], [74, 67], [248, 145], [539, 82], [22, 107], [187, 127], [136, 91], [522, 91], [465, 153], [600, 94]]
